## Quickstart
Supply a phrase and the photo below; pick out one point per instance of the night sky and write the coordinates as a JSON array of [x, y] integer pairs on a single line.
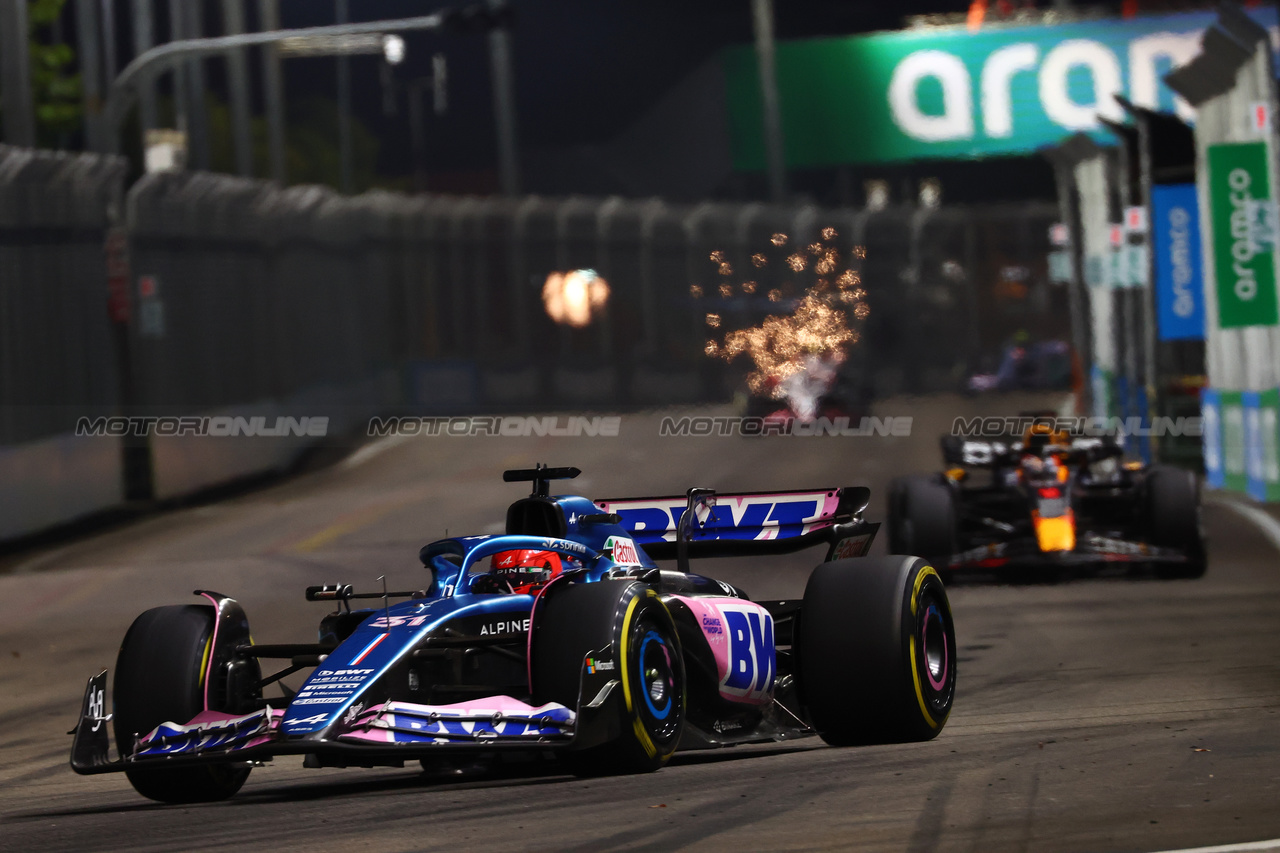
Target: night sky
[[584, 68]]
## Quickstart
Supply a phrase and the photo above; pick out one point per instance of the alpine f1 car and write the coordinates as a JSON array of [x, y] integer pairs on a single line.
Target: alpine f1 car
[[1050, 501], [561, 636]]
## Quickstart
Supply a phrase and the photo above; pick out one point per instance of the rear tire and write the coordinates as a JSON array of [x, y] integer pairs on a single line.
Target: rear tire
[[160, 678], [587, 617], [922, 519], [1173, 519], [877, 651]]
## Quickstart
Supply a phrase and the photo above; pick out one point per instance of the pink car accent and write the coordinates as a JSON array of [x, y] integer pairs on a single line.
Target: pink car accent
[[740, 634], [212, 730], [494, 717]]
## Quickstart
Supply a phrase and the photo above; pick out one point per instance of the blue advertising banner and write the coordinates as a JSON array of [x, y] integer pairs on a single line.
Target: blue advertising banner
[[1254, 452], [1211, 412], [1175, 235]]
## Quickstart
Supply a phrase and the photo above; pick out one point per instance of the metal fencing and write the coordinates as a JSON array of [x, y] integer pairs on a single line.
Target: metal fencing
[[243, 299], [57, 351]]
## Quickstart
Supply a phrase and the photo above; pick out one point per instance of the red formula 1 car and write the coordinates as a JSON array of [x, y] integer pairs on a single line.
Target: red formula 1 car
[[1045, 503]]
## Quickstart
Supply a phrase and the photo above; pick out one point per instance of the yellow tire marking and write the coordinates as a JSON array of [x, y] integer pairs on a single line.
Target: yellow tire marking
[[208, 648], [650, 747], [641, 734], [915, 672]]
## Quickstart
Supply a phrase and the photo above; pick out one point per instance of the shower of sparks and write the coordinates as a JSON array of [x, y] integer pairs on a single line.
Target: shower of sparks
[[779, 345], [695, 291], [818, 325]]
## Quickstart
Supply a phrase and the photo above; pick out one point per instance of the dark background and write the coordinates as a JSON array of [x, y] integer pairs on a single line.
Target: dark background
[[587, 72]]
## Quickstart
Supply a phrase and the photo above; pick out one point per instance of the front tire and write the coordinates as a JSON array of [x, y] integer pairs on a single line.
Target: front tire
[[922, 518], [160, 678], [1173, 519], [588, 617], [877, 651]]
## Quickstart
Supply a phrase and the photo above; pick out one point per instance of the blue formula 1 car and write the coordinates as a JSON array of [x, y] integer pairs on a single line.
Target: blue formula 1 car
[[561, 636]]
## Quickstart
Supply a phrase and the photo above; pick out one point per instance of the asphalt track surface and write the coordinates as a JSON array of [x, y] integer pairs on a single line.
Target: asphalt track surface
[[1106, 714]]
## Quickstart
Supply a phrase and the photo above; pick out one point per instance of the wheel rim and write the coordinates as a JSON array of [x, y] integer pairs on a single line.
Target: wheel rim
[[935, 645], [660, 705], [933, 642]]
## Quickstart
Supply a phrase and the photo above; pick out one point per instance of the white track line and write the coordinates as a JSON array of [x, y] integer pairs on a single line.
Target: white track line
[[373, 449], [1273, 844], [1265, 522]]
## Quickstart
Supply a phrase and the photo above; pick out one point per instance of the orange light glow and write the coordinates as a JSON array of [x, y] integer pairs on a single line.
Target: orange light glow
[[575, 298]]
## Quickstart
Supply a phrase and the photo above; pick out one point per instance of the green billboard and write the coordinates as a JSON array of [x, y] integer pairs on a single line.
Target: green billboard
[[1244, 265], [949, 93]]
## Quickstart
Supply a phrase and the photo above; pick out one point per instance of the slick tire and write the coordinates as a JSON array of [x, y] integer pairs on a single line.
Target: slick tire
[[588, 617], [1173, 519], [160, 678], [877, 651], [922, 518]]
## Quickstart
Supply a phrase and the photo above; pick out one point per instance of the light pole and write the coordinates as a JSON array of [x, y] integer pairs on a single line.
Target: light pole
[[186, 19], [438, 81], [15, 76], [504, 98], [238, 82], [143, 39], [164, 57], [775, 160], [90, 71], [273, 85], [341, 13]]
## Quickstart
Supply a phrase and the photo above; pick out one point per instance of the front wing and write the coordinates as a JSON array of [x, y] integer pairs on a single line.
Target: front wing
[[382, 732], [1091, 549]]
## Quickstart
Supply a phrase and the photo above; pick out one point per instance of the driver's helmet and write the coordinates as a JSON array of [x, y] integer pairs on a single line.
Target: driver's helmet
[[525, 571]]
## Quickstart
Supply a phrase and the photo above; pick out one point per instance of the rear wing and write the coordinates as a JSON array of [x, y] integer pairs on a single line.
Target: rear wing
[[703, 523], [1007, 450]]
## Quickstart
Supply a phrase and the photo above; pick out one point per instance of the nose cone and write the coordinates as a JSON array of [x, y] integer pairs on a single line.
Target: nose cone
[[1056, 534]]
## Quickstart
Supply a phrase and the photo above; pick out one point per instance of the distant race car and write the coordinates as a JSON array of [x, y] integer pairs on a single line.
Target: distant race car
[[1043, 366], [561, 636], [1048, 501], [825, 390]]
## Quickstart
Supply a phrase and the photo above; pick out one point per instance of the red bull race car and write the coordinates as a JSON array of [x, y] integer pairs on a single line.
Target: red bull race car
[[562, 636], [1047, 503]]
